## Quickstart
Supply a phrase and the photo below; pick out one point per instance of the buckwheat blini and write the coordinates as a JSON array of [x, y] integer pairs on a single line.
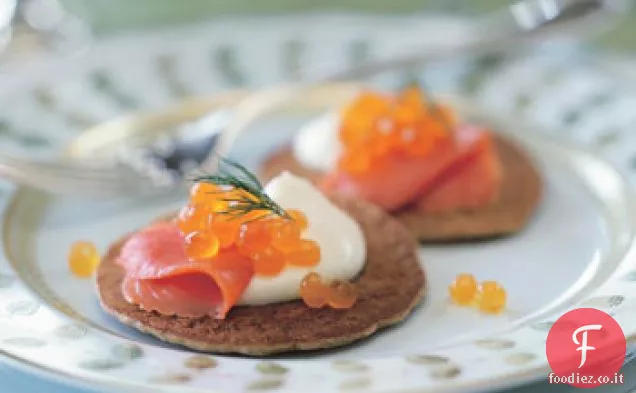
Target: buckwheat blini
[[388, 284]]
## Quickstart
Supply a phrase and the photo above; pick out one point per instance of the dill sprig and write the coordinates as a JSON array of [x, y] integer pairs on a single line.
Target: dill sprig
[[253, 198]]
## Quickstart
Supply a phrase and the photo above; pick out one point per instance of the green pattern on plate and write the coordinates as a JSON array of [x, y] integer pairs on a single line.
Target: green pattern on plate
[[4, 127], [601, 98], [100, 364], [355, 384], [292, 55], [522, 101], [225, 60], [495, 344], [445, 372], [520, 359], [572, 116], [265, 384], [25, 342], [608, 138], [604, 302], [103, 82], [429, 360], [200, 362], [359, 52], [127, 351], [22, 308], [481, 69], [167, 68], [349, 366], [271, 368], [542, 326], [44, 96], [70, 331]]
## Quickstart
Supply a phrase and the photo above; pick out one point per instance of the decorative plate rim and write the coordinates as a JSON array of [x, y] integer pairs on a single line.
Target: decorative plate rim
[[438, 361]]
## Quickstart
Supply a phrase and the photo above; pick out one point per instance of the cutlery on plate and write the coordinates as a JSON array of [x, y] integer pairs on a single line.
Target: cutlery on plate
[[162, 166]]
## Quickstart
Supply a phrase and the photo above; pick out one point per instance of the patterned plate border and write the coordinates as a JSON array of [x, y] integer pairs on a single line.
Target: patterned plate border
[[93, 356]]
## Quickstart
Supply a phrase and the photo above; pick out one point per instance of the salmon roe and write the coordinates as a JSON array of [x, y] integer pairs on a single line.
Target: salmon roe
[[492, 297], [83, 259], [314, 293], [463, 290], [375, 126], [488, 297], [201, 245], [337, 294], [270, 241]]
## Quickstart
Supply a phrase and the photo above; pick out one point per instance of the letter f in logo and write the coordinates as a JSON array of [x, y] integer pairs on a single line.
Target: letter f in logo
[[583, 344]]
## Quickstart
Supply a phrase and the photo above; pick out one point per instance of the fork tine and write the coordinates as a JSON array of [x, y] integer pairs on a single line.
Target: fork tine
[[71, 178], [63, 169]]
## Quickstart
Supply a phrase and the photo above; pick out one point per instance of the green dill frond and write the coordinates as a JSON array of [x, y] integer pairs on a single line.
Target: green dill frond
[[235, 175]]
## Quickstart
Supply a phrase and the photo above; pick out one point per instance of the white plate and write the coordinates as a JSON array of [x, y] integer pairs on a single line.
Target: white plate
[[574, 252]]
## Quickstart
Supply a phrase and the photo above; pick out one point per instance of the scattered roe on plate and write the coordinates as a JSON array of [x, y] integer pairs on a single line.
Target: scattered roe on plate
[[270, 241], [337, 294], [83, 259], [375, 126], [491, 297], [488, 297], [463, 290]]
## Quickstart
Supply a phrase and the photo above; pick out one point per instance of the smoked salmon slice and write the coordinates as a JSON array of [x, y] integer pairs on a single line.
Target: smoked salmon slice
[[159, 276], [474, 184], [405, 179]]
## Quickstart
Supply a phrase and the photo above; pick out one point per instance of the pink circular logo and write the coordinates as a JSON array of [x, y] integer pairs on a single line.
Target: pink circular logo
[[585, 348]]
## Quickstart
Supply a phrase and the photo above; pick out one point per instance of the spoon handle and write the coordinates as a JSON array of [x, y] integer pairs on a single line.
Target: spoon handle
[[524, 22]]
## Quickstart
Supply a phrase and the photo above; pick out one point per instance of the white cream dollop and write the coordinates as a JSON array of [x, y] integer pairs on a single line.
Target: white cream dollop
[[316, 144], [341, 241]]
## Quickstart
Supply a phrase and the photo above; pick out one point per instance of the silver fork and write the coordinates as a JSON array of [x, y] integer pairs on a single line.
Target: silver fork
[[77, 178], [524, 21]]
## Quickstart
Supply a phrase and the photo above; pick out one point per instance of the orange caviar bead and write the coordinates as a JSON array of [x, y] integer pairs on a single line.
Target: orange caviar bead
[[225, 230], [254, 236], [313, 292], [286, 235], [412, 98], [342, 294], [299, 218], [193, 217], [463, 290], [201, 245], [83, 259], [491, 298], [371, 102], [306, 253], [378, 146], [203, 192], [404, 116], [268, 261], [359, 117]]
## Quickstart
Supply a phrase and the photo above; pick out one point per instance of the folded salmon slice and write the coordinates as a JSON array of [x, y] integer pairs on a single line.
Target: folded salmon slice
[[405, 179], [474, 184], [159, 276]]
